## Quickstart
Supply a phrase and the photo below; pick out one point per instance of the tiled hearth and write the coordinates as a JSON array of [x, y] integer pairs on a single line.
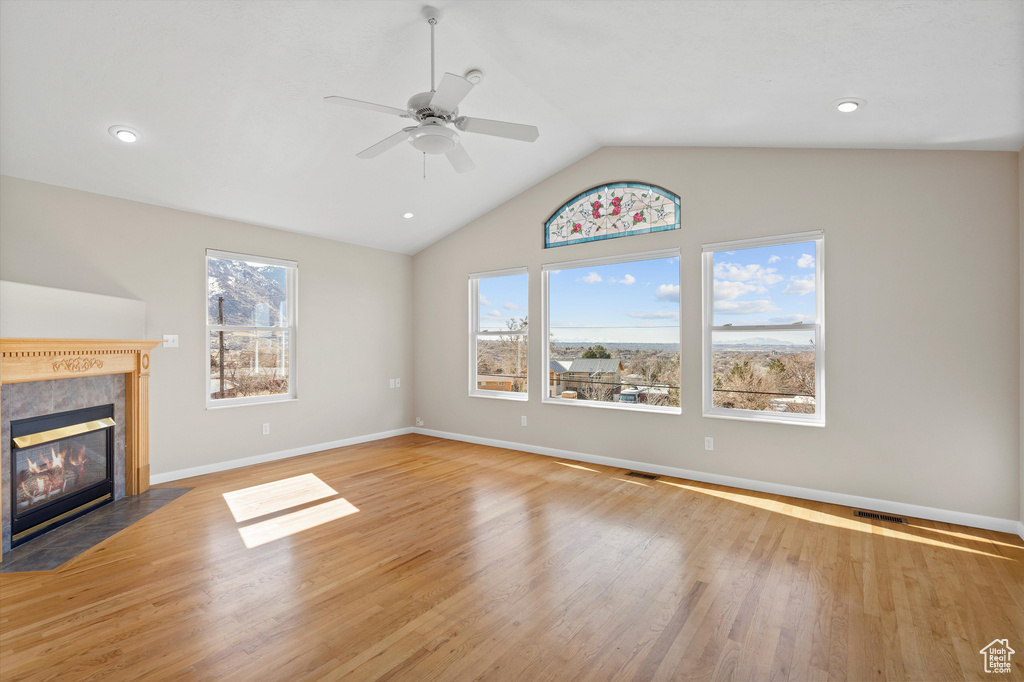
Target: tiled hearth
[[36, 398]]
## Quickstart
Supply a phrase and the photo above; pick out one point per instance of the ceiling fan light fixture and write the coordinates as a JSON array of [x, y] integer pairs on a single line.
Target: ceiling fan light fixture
[[433, 138]]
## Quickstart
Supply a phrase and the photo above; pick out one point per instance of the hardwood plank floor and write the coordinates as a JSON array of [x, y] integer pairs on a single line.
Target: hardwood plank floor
[[415, 558]]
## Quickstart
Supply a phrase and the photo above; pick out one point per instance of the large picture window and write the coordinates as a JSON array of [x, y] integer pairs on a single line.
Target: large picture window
[[250, 327], [499, 315], [764, 333], [611, 327]]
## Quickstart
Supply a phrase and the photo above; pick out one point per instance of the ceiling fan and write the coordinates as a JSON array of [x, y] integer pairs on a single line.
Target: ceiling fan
[[433, 112]]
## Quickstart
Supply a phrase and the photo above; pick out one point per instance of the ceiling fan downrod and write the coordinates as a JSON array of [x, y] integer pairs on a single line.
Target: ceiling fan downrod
[[433, 15]]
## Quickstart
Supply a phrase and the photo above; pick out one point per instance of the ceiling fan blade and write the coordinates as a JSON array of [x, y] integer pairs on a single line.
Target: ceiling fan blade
[[359, 104], [385, 144], [460, 159], [513, 131], [452, 90]]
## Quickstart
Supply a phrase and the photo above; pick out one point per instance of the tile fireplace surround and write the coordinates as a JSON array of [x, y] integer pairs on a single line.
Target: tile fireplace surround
[[50, 375]]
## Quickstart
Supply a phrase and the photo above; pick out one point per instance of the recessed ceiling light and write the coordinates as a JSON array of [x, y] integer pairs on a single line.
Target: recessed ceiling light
[[407, 215], [848, 105], [124, 133]]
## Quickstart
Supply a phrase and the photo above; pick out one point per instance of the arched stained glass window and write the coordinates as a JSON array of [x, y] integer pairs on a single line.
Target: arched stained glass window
[[618, 209]]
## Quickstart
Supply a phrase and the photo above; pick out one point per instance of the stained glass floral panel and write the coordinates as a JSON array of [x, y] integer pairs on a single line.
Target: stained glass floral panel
[[617, 209]]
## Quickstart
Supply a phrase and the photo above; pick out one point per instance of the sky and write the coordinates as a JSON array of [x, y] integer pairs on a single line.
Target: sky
[[635, 302], [502, 299], [765, 285], [638, 302]]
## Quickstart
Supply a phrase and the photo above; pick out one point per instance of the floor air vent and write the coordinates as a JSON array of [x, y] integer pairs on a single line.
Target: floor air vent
[[640, 474], [880, 517]]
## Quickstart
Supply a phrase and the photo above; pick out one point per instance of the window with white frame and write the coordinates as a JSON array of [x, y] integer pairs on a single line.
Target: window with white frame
[[250, 326], [764, 333], [499, 315], [611, 327]]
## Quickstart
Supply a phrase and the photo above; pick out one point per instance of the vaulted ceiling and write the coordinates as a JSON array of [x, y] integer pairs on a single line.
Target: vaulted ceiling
[[227, 95]]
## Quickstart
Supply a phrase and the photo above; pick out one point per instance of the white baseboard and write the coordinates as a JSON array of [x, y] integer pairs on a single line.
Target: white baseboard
[[1020, 526], [271, 456], [898, 508]]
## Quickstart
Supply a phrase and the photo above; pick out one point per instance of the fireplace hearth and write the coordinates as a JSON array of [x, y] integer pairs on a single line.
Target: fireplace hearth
[[62, 466]]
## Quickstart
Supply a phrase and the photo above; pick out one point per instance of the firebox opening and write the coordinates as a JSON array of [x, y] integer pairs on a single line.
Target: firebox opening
[[62, 466]]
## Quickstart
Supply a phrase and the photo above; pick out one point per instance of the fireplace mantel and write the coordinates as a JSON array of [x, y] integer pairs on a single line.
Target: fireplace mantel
[[24, 360]]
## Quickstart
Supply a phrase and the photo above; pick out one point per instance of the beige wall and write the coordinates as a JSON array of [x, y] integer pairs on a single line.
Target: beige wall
[[923, 315], [1020, 205], [354, 316]]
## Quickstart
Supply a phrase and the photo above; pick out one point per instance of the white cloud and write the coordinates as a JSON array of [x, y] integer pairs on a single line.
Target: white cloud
[[511, 306], [592, 278], [667, 292], [774, 259], [800, 286], [494, 313], [727, 291], [747, 273], [628, 279], [484, 301], [666, 315], [806, 261], [744, 307]]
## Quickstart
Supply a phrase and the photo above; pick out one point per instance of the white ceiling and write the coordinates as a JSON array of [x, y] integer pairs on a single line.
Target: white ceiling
[[228, 94]]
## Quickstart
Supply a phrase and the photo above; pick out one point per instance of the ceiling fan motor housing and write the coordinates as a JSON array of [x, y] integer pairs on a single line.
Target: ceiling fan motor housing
[[433, 137]]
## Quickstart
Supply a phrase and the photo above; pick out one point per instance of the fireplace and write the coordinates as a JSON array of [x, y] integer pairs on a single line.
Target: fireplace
[[62, 466]]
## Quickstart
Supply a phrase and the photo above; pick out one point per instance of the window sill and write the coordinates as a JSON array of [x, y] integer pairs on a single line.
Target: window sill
[[766, 418], [246, 403], [629, 407], [500, 395]]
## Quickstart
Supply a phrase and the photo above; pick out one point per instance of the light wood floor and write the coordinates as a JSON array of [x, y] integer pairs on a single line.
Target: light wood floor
[[467, 562]]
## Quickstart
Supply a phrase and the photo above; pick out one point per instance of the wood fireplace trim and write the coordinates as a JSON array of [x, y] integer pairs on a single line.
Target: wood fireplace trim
[[23, 360]]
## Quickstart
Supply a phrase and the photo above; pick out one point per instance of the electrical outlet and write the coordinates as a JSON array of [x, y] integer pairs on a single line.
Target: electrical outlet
[[419, 422], [170, 340], [392, 383], [524, 420], [266, 429], [709, 443], [398, 383]]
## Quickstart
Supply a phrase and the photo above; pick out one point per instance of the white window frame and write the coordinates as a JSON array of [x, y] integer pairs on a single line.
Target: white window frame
[[709, 250], [474, 334], [291, 300], [545, 322]]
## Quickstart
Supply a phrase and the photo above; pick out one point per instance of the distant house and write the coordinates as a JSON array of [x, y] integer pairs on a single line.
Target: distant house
[[657, 395], [500, 382], [557, 372], [593, 375]]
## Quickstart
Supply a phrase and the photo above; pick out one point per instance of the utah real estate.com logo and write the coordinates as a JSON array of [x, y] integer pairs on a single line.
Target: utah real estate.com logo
[[997, 656]]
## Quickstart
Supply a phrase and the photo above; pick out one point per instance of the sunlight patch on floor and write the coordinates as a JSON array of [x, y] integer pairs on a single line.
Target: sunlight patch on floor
[[824, 518], [577, 466], [269, 498], [262, 532]]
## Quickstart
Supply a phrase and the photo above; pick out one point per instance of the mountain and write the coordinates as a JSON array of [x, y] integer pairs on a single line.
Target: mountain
[[763, 341], [254, 295]]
